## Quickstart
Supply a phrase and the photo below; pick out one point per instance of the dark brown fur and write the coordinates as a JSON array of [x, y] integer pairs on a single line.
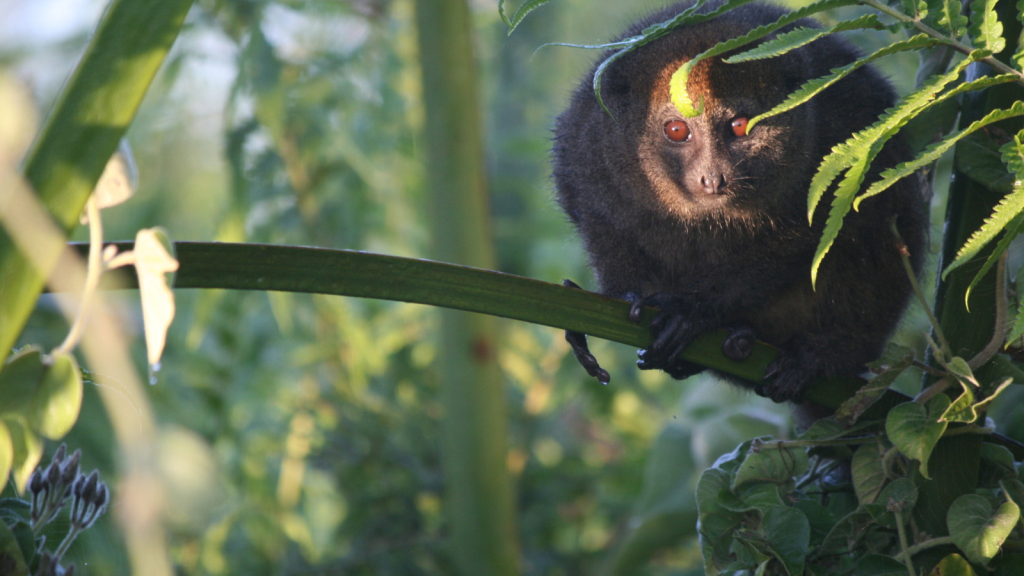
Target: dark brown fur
[[740, 256]]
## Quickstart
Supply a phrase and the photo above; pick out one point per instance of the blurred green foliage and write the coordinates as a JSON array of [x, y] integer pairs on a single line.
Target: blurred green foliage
[[300, 433]]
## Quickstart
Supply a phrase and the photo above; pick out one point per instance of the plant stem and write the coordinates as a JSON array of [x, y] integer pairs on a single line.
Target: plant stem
[[999, 330], [66, 543], [92, 278], [956, 45], [924, 546], [905, 258], [903, 542]]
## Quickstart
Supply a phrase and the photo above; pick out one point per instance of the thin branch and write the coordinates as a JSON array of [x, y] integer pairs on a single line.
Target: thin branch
[[999, 330]]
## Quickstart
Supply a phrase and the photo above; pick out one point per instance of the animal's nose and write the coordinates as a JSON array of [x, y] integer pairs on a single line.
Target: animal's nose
[[712, 183]]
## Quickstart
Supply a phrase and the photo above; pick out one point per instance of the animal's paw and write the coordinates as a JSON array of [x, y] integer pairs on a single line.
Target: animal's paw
[[791, 374], [578, 342], [675, 326], [739, 344]]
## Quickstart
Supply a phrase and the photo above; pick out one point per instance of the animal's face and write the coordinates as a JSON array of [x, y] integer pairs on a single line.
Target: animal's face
[[712, 164]]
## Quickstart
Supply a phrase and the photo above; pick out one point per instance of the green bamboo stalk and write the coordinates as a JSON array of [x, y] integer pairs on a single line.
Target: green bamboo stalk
[[83, 130], [474, 440]]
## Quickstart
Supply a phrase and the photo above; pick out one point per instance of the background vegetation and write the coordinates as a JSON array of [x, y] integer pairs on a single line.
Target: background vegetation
[[301, 434]]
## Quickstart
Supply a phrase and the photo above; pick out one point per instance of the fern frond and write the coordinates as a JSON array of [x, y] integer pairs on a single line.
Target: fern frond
[[524, 9], [1013, 229], [789, 41], [813, 87], [946, 16], [677, 87], [868, 142], [841, 204], [986, 29], [934, 151]]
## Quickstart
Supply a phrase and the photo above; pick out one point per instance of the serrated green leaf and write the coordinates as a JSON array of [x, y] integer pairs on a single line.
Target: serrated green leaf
[[841, 204], [1013, 229], [813, 87], [946, 16], [788, 533], [1009, 207], [933, 152], [58, 399], [524, 9], [677, 86], [864, 145], [986, 29], [914, 430], [794, 39], [953, 565], [977, 530], [868, 472]]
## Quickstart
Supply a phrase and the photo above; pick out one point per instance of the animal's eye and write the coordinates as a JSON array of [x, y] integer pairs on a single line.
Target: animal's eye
[[739, 127], [677, 131]]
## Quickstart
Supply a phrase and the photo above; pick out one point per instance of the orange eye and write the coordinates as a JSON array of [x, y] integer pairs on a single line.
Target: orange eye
[[677, 131], [739, 127]]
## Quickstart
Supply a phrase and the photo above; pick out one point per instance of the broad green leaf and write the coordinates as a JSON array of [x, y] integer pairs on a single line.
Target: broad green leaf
[[524, 9], [962, 407], [997, 463], [933, 152], [813, 87], [58, 399], [716, 523], [900, 494], [794, 39], [677, 85], [959, 367], [952, 565], [862, 147], [153, 262], [977, 530], [788, 533], [6, 454], [986, 29], [767, 462], [820, 518], [850, 410], [868, 472], [914, 430], [28, 450], [755, 496], [946, 16], [11, 558], [22, 373], [712, 482]]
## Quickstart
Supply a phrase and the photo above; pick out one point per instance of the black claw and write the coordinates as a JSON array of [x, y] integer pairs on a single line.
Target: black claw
[[772, 371], [578, 342], [739, 344], [635, 311]]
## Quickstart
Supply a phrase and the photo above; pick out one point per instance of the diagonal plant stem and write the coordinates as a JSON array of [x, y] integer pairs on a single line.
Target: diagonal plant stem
[[955, 44]]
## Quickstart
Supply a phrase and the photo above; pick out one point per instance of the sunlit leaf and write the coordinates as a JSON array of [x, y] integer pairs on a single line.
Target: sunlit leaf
[[118, 181], [986, 29], [58, 399], [914, 430], [813, 87], [952, 565], [946, 16], [28, 450], [22, 373], [153, 261], [933, 152], [794, 39], [677, 86], [978, 530], [18, 125], [6, 453], [1005, 212]]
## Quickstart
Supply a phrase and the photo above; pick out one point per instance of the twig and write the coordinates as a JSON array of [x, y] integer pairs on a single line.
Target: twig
[[999, 330]]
